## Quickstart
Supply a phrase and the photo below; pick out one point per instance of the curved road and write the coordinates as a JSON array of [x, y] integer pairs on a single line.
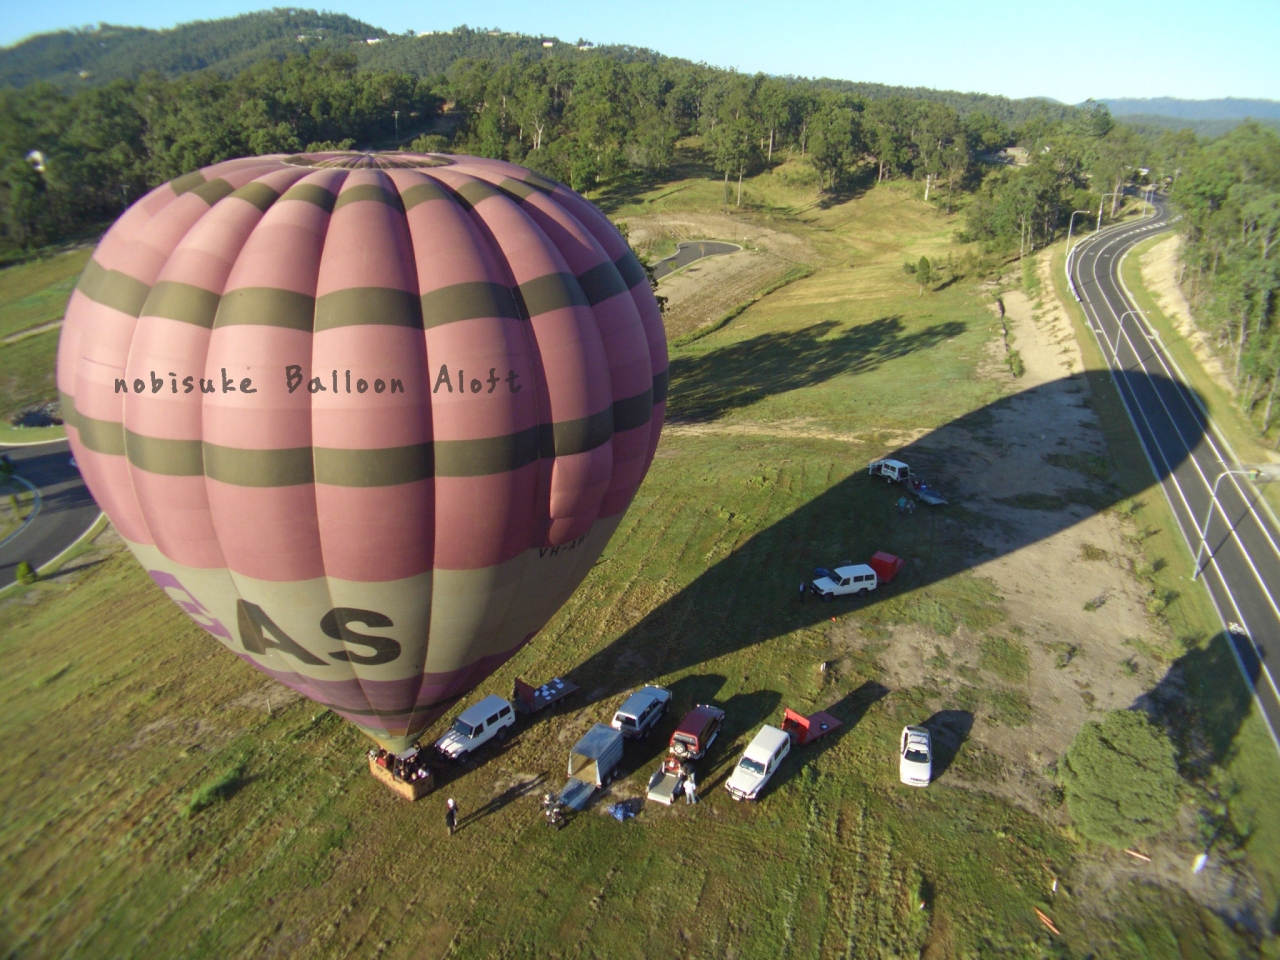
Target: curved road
[[66, 508], [687, 251], [1241, 560]]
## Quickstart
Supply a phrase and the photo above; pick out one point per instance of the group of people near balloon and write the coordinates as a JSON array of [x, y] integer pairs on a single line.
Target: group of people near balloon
[[410, 768]]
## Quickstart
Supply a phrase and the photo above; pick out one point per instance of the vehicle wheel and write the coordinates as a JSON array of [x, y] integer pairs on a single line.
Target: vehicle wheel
[[502, 734], [828, 597]]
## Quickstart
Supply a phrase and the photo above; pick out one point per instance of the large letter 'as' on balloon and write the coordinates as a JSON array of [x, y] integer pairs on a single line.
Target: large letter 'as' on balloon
[[369, 419]]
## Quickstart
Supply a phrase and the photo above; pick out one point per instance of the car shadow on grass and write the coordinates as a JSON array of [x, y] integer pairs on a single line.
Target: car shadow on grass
[[948, 730], [749, 597]]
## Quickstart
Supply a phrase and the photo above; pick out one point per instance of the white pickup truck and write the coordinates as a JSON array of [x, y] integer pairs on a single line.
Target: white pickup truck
[[846, 581]]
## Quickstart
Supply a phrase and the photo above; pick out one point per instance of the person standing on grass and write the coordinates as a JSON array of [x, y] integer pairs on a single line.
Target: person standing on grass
[[690, 791], [450, 815]]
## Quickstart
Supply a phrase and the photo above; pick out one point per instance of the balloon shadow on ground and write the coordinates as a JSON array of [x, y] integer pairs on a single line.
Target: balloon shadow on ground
[[749, 597]]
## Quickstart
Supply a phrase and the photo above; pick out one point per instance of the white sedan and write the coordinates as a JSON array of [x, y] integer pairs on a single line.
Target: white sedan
[[915, 768]]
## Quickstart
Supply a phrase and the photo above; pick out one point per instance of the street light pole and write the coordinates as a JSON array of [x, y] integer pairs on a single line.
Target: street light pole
[[396, 114], [1266, 472], [1071, 223]]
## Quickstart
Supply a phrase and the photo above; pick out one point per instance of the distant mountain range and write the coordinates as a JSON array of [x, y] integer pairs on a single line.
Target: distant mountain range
[[1227, 109], [74, 59]]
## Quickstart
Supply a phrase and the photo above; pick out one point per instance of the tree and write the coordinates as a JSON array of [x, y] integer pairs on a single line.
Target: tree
[[24, 573], [1120, 779], [924, 271]]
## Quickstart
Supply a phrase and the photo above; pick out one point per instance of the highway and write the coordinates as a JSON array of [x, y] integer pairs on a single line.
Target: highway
[[66, 510], [1241, 558]]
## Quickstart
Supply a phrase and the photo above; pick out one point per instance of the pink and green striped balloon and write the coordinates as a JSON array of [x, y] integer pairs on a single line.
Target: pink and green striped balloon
[[368, 418]]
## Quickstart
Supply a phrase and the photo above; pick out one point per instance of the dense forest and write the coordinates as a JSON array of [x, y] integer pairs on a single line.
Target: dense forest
[[1229, 195], [71, 159]]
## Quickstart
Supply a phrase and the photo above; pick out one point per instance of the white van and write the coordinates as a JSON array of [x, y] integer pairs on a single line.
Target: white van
[[476, 726], [759, 762]]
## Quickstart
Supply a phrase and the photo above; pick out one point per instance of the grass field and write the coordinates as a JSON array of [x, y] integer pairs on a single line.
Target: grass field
[[33, 296], [161, 799]]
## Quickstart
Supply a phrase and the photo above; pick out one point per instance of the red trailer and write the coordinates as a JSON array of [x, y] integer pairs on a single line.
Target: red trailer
[[808, 729], [886, 565], [530, 699]]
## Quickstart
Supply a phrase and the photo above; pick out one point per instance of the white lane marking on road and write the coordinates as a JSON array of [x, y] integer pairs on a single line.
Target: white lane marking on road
[[35, 508]]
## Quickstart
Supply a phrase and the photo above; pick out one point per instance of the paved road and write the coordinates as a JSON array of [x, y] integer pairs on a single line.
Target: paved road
[[1241, 565], [689, 251], [66, 508]]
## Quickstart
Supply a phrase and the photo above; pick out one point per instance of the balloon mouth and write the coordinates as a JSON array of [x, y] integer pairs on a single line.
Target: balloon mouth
[[366, 160]]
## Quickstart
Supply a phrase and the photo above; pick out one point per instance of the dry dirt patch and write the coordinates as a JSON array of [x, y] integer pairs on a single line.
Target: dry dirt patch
[[1160, 267], [1070, 598]]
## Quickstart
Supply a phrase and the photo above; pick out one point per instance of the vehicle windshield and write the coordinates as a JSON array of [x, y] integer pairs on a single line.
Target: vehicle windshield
[[462, 727], [751, 766], [626, 721], [916, 756]]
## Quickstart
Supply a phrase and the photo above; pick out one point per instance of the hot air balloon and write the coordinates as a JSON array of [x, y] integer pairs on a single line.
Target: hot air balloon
[[369, 419]]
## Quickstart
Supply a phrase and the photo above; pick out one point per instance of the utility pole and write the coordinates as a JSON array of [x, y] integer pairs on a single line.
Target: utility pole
[[396, 114]]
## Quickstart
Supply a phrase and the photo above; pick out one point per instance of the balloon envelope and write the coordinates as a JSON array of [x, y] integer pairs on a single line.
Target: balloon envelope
[[368, 419]]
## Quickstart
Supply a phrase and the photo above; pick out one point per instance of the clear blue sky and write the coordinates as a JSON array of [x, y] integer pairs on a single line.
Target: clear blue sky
[[1195, 49]]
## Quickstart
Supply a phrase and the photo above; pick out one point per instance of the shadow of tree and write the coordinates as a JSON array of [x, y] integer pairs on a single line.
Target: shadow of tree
[[707, 385], [1202, 701]]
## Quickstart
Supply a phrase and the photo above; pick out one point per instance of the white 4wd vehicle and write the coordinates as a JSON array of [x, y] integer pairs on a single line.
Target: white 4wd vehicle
[[476, 726], [846, 581], [760, 761], [915, 768]]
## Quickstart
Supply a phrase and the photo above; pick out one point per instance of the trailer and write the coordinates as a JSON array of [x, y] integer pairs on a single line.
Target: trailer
[[808, 729], [925, 493], [530, 699], [886, 565], [591, 765], [666, 780]]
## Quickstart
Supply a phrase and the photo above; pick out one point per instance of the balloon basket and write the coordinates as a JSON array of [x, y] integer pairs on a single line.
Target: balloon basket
[[410, 790]]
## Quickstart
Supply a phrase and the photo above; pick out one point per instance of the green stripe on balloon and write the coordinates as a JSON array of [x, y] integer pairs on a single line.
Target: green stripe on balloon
[[186, 182], [267, 306], [368, 305], [369, 191], [466, 301], [601, 282], [182, 302], [213, 190], [114, 289], [310, 193], [258, 194], [555, 291]]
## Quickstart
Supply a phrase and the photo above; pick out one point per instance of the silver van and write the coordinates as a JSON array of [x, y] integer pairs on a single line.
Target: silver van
[[640, 711]]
